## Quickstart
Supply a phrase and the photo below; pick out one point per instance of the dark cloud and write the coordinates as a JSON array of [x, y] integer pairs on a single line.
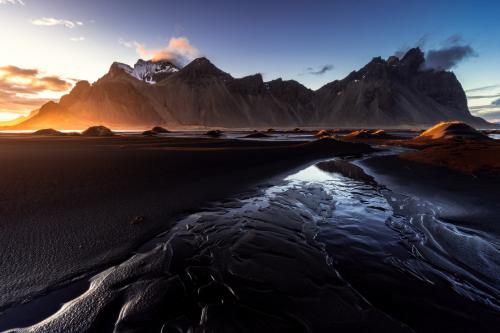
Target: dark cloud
[[319, 71], [496, 102], [448, 57], [453, 50]]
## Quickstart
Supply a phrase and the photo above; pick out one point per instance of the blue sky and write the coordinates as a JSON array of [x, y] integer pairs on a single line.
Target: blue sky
[[74, 39]]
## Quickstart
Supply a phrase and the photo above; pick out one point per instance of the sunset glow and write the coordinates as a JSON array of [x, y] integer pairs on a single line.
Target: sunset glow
[[79, 40], [249, 166]]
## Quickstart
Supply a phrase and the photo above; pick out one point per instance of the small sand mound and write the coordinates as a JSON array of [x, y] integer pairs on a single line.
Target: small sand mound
[[322, 133], [257, 135], [159, 130], [370, 134], [452, 130], [149, 133], [48, 131], [98, 131], [214, 133], [155, 130]]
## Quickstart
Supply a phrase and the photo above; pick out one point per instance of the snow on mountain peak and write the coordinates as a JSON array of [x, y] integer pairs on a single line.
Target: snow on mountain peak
[[150, 71]]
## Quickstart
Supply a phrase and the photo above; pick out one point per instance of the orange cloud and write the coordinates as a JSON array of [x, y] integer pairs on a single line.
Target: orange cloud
[[16, 71], [178, 50], [24, 89]]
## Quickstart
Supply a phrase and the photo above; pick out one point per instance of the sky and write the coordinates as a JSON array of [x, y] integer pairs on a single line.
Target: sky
[[48, 45]]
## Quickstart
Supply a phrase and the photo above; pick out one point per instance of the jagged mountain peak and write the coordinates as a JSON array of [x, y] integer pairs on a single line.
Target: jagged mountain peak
[[411, 62], [384, 93], [201, 68], [146, 70], [414, 56]]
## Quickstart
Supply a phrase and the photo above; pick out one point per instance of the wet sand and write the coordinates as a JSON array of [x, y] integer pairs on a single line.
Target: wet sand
[[71, 205], [463, 197]]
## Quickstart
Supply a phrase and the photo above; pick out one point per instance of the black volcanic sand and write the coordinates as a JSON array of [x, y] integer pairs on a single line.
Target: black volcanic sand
[[72, 205], [463, 197]]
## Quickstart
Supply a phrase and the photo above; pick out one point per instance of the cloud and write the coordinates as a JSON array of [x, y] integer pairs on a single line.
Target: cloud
[[77, 39], [319, 71], [178, 50], [129, 44], [483, 96], [496, 102], [50, 21], [483, 88], [451, 52], [16, 71], [489, 112], [448, 57], [25, 89], [493, 115], [12, 2]]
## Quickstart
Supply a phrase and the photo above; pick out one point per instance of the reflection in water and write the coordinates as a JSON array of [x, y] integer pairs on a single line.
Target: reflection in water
[[318, 252]]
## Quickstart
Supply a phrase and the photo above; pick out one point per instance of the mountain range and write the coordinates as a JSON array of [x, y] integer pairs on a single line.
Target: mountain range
[[384, 93]]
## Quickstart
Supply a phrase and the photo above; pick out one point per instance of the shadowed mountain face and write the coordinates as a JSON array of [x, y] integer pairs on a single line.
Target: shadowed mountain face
[[394, 93], [385, 93]]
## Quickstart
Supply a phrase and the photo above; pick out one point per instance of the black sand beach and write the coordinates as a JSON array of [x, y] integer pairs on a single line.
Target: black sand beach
[[71, 204]]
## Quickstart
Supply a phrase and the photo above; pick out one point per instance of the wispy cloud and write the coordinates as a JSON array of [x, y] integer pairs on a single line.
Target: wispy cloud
[[129, 44], [320, 71], [12, 2], [483, 88], [50, 21], [490, 114], [489, 111], [25, 89], [483, 96], [178, 50], [77, 39]]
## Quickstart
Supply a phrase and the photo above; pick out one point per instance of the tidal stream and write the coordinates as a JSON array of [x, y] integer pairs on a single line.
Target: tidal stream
[[325, 249]]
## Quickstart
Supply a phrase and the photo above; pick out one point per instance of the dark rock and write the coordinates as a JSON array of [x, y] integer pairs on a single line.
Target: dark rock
[[214, 133]]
